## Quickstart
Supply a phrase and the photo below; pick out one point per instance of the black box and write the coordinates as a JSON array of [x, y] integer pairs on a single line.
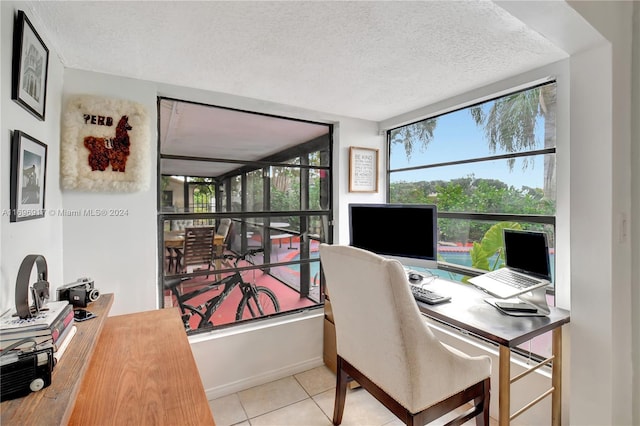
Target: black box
[[23, 372]]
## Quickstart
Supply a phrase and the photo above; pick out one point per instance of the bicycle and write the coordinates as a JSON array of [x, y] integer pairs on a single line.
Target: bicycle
[[256, 300]]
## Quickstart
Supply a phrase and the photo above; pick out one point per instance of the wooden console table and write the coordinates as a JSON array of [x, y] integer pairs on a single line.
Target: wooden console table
[[120, 370], [142, 373]]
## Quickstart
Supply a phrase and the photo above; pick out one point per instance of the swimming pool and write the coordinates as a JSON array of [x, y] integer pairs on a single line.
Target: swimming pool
[[458, 258], [464, 259], [315, 266]]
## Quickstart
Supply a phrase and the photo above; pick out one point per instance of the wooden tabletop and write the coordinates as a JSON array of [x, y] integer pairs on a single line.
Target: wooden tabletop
[[468, 311], [142, 373], [175, 239]]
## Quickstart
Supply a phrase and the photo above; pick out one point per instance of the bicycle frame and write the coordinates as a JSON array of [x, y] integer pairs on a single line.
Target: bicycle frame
[[206, 309]]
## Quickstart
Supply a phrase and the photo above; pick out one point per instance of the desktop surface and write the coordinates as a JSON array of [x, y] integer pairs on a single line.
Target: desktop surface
[[468, 311]]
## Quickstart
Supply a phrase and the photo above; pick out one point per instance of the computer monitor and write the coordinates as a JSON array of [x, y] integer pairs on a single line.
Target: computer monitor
[[405, 232]]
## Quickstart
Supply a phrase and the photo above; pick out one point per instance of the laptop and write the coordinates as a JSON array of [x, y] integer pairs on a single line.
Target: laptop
[[526, 265]]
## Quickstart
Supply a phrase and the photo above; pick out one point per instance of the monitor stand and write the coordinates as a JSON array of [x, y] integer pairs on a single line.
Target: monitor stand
[[537, 298]]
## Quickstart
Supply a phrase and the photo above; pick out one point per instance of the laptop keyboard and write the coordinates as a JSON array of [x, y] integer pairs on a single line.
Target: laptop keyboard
[[508, 277]]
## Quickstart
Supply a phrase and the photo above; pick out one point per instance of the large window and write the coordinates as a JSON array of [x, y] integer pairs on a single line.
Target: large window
[[486, 167], [260, 186]]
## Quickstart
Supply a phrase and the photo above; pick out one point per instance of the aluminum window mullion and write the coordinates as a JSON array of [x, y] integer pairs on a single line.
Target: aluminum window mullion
[[499, 217], [478, 160]]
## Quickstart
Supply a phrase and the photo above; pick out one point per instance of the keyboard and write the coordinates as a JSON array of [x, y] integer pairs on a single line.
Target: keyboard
[[514, 280], [427, 296]]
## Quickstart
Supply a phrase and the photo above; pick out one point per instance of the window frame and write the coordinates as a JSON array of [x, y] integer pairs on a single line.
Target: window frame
[[498, 217], [296, 157]]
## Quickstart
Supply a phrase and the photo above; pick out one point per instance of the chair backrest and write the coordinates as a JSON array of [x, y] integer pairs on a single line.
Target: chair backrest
[[379, 330], [224, 228], [180, 224], [198, 246]]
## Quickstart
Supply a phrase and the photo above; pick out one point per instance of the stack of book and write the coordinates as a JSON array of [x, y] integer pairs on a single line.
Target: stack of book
[[54, 326]]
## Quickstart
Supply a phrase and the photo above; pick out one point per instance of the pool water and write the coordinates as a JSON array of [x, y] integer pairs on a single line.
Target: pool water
[[457, 258], [464, 259]]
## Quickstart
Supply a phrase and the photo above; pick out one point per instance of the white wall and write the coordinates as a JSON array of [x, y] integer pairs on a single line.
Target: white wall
[[36, 236], [241, 357], [119, 252], [360, 134], [601, 175], [635, 211], [3, 71]]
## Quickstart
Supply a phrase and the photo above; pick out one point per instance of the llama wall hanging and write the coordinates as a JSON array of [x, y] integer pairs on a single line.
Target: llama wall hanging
[[104, 145]]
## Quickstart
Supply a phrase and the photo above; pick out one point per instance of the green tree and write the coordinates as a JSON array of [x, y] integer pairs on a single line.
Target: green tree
[[509, 123], [469, 194], [488, 254], [202, 194], [416, 134]]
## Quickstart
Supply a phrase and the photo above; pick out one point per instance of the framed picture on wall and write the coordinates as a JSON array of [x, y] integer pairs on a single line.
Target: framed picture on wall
[[28, 177], [363, 169], [30, 66]]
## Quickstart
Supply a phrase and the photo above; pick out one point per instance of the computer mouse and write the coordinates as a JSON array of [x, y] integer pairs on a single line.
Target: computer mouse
[[415, 277]]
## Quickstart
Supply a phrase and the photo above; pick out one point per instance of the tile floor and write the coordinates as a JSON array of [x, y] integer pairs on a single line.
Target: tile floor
[[304, 399]]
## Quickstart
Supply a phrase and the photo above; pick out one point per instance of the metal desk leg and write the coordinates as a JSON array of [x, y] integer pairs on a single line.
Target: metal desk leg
[[556, 378], [504, 388]]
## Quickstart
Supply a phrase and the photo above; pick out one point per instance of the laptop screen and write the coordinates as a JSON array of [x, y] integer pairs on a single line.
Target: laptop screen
[[527, 252]]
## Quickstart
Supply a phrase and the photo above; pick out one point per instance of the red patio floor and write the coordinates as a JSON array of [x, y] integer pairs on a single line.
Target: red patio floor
[[288, 298]]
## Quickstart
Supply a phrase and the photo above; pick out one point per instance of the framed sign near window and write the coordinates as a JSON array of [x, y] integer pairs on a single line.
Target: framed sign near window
[[30, 65], [363, 169], [28, 177]]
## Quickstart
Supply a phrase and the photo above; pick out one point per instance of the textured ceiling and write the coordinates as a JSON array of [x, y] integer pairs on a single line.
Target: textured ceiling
[[370, 60], [193, 130]]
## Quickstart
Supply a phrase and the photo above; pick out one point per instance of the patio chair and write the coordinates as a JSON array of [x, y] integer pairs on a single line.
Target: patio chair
[[180, 224], [387, 347], [225, 229], [198, 247]]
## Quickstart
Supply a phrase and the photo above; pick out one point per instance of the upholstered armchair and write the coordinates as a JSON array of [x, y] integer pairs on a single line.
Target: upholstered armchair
[[384, 343]]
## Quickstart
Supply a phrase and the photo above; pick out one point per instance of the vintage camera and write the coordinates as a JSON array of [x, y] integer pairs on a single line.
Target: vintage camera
[[23, 372], [79, 293]]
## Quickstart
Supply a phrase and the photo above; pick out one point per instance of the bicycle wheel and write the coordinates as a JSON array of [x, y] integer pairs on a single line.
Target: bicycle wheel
[[257, 302]]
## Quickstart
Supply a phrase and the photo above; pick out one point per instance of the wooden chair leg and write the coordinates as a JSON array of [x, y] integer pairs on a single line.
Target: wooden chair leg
[[341, 393], [483, 419], [178, 260]]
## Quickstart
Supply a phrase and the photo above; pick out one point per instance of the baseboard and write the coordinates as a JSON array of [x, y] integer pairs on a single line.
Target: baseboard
[[266, 377]]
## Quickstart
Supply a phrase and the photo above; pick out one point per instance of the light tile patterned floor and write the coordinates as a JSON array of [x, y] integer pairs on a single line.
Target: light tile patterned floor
[[304, 399]]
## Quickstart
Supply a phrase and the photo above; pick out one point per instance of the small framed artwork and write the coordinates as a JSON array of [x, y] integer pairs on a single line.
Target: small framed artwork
[[30, 66], [28, 177], [363, 169]]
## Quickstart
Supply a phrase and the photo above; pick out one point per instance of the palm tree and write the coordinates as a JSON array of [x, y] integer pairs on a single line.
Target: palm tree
[[510, 123], [420, 133]]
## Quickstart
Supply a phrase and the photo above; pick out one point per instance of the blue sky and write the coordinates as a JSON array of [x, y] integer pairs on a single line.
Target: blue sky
[[457, 137]]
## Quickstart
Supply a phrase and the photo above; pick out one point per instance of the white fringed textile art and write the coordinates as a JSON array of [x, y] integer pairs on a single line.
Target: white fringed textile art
[[104, 145]]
